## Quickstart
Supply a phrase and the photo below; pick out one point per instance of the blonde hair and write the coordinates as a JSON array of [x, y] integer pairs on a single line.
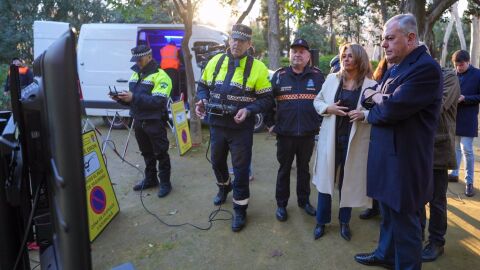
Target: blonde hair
[[362, 63]]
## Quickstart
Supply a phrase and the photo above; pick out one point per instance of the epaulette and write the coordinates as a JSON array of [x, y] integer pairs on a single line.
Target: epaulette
[[281, 70], [316, 70]]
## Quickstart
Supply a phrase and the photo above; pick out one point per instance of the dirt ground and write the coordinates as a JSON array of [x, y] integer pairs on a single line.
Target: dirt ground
[[137, 237]]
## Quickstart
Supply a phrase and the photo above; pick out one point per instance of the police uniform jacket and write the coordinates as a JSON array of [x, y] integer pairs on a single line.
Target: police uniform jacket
[[294, 95], [227, 89], [151, 88]]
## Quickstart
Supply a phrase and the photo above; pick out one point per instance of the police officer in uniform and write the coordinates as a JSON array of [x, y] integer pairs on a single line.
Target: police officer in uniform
[[149, 89], [296, 123], [170, 63], [26, 74], [239, 84]]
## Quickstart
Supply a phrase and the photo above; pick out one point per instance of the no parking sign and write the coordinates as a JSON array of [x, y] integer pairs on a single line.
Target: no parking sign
[[102, 203], [180, 122]]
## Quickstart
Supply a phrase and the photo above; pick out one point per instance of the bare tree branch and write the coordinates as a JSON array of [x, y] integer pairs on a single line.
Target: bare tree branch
[[245, 13], [182, 4], [436, 11]]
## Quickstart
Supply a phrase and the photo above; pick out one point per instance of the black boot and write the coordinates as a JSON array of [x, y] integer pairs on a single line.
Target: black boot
[[281, 214], [165, 184], [150, 179], [345, 231], [239, 220], [369, 213], [319, 231], [146, 183], [309, 209], [164, 189], [222, 194], [431, 252]]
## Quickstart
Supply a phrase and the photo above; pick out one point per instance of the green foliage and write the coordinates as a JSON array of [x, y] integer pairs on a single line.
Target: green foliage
[[4, 99], [284, 61], [147, 11], [324, 63], [259, 42], [316, 36], [16, 37]]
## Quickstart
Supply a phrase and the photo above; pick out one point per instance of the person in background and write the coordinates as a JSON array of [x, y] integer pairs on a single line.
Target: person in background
[[149, 90], [26, 74], [343, 139], [170, 63], [467, 117], [443, 159]]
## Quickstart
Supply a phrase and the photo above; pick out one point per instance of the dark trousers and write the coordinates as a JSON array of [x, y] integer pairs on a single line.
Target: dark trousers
[[173, 74], [437, 226], [152, 140], [239, 142], [287, 148], [400, 239], [324, 205]]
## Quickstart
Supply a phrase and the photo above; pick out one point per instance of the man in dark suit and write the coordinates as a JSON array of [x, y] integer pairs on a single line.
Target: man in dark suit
[[400, 161]]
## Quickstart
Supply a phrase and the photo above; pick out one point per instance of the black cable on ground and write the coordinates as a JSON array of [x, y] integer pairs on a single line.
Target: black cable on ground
[[211, 217]]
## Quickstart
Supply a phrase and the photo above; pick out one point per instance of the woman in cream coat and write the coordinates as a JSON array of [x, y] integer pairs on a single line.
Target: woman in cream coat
[[343, 139]]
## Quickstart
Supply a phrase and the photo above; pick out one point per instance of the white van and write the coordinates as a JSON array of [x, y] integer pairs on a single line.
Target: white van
[[103, 55]]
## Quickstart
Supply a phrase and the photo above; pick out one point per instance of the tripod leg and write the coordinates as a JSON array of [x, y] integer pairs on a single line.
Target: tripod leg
[[128, 140], [109, 133]]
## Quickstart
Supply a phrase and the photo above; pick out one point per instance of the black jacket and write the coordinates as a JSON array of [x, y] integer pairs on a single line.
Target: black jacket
[[294, 95]]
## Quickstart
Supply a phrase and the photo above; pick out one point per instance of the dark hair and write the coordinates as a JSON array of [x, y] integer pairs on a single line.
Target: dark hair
[[460, 56]]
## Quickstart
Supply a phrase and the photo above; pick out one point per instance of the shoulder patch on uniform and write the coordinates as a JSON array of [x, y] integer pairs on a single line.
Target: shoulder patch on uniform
[[163, 85]]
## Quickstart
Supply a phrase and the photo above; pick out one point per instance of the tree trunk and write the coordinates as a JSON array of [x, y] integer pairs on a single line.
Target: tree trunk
[[448, 32], [475, 40], [333, 41], [458, 25], [384, 11], [186, 13], [417, 8], [427, 18], [273, 35]]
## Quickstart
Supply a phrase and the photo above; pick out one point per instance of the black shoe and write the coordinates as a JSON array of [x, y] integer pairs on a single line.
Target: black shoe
[[369, 213], [370, 260], [309, 209], [164, 190], [239, 220], [345, 231], [431, 252], [145, 184], [222, 194], [281, 214], [319, 231], [469, 190], [452, 178]]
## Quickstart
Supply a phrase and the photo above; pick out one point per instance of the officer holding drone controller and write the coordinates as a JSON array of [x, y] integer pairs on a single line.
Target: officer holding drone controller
[[234, 87], [149, 89]]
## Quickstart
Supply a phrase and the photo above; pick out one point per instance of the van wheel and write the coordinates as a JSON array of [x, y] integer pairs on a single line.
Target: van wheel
[[259, 125], [120, 122]]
